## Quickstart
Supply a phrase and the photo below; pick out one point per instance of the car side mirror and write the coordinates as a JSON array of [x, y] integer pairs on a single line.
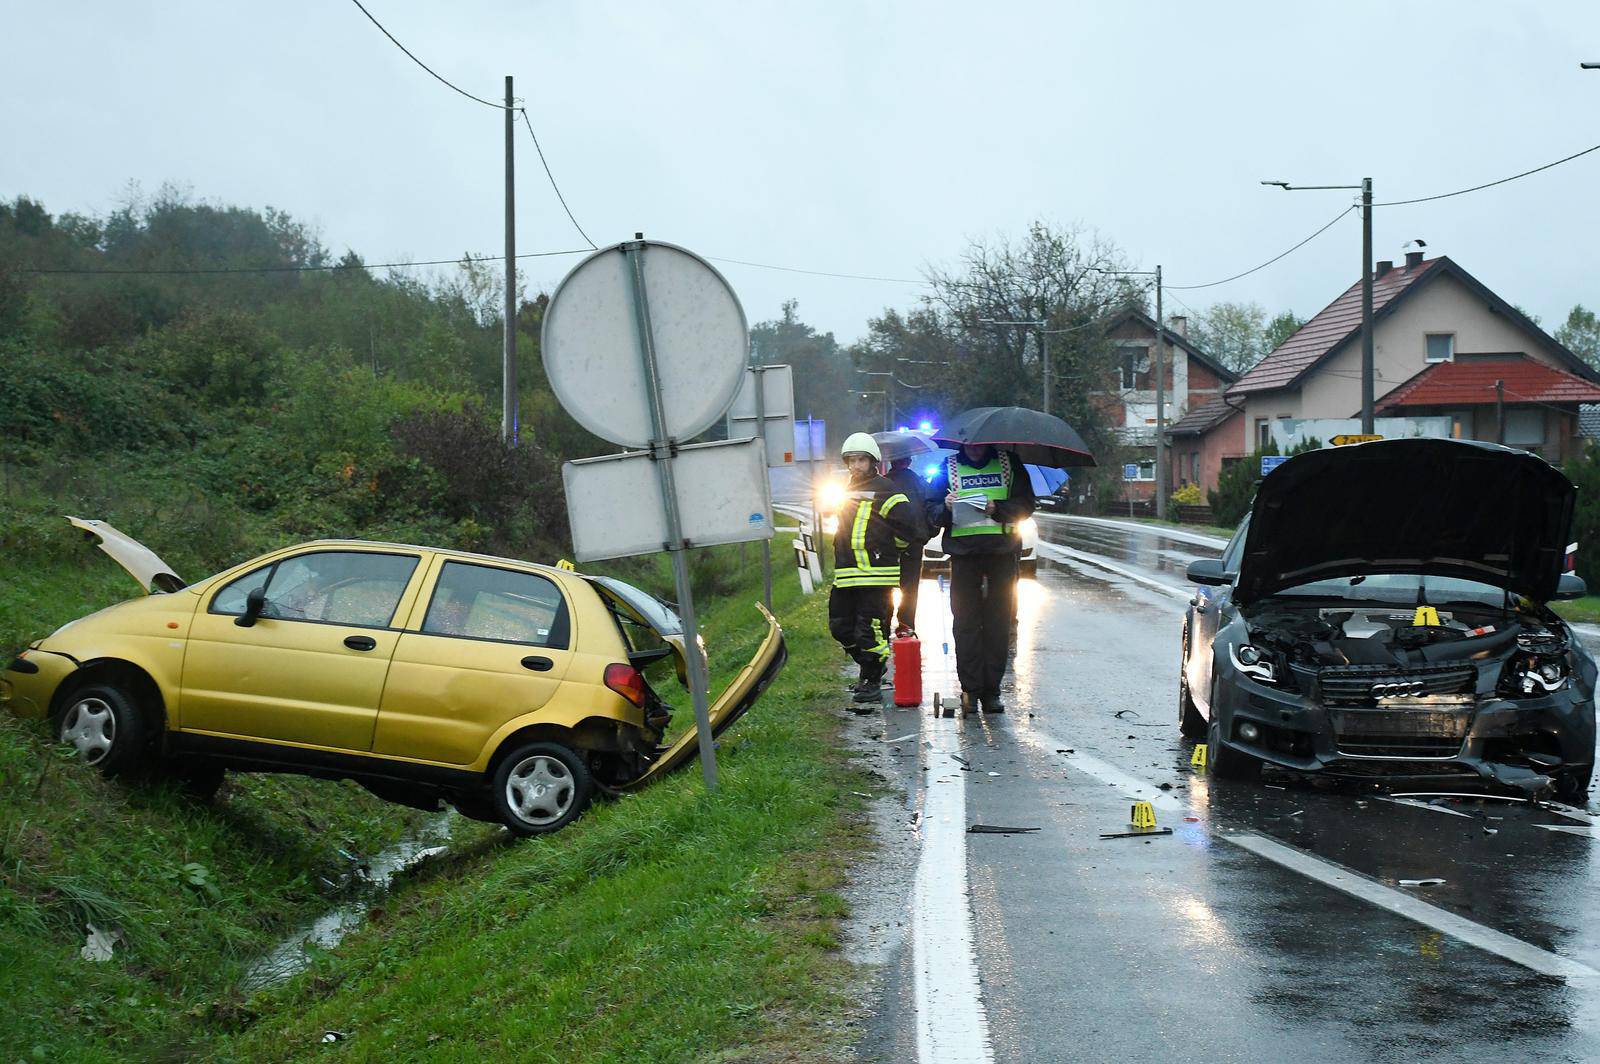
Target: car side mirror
[[1208, 571], [254, 603], [1571, 586]]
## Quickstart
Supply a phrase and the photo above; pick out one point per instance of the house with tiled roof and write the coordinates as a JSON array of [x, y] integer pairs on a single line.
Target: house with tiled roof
[[1127, 401], [1444, 345]]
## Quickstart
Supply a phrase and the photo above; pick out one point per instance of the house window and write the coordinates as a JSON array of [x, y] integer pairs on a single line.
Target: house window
[[1147, 469], [1194, 467], [1131, 359], [1263, 433], [1441, 347], [1525, 428]]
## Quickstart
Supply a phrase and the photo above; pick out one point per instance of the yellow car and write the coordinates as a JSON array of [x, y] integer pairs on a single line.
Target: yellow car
[[513, 691]]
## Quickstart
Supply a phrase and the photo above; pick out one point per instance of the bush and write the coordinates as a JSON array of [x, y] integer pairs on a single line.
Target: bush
[[1188, 495], [1236, 487]]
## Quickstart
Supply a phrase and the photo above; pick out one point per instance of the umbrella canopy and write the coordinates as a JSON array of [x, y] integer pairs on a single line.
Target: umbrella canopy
[[904, 444], [1032, 435]]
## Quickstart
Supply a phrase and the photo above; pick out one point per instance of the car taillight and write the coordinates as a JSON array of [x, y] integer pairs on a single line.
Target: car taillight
[[627, 682]]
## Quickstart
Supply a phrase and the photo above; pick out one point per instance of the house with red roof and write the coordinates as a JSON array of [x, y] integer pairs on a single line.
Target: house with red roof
[[1127, 401], [1444, 346]]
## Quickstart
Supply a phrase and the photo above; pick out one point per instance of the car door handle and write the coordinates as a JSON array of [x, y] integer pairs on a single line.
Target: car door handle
[[537, 664], [360, 642]]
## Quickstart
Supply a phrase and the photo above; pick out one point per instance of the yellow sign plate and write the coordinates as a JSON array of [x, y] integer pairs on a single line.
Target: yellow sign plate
[[1341, 441]]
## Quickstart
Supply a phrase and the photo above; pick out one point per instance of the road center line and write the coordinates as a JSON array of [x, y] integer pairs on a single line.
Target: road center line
[[951, 1023], [1343, 879]]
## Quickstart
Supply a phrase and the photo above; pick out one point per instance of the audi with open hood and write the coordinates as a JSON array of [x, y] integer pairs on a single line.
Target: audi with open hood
[[1382, 612]]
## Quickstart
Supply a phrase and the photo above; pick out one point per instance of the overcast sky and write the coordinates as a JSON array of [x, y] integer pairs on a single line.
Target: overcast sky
[[849, 137]]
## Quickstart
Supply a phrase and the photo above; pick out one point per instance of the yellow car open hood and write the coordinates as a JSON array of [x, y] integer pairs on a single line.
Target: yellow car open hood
[[141, 562]]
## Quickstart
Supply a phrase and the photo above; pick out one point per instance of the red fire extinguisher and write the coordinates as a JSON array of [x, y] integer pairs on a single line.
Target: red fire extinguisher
[[908, 671]]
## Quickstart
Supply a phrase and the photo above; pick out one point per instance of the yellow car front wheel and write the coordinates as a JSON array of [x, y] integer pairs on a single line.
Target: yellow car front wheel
[[540, 787], [104, 725]]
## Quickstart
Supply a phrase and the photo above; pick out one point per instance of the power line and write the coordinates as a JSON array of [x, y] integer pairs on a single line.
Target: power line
[[821, 273], [1269, 262], [192, 271], [1490, 184], [425, 66], [527, 122]]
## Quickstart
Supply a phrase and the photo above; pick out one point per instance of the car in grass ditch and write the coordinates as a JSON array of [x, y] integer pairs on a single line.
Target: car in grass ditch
[[513, 691], [1382, 614]]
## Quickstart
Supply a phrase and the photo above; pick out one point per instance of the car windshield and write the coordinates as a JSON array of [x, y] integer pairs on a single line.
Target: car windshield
[[1403, 588]]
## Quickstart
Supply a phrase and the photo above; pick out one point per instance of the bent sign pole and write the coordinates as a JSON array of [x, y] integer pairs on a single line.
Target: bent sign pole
[[662, 449]]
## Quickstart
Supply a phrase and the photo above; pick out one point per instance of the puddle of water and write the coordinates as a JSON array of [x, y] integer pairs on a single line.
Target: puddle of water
[[293, 955]]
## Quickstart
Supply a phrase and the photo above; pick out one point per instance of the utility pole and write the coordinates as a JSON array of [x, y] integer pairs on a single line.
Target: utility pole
[[1366, 288], [508, 384], [1161, 402], [1500, 411], [1366, 307]]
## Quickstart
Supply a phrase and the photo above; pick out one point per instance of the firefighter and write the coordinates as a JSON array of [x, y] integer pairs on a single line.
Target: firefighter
[[905, 479], [978, 498], [874, 522]]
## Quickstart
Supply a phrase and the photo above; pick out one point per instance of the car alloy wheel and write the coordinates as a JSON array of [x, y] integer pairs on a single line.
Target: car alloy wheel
[[104, 726], [541, 787]]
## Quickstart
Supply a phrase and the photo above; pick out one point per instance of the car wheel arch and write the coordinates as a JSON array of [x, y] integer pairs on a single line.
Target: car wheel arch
[[125, 675], [590, 734]]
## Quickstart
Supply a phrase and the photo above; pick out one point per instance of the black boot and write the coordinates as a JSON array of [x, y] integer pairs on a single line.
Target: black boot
[[992, 704]]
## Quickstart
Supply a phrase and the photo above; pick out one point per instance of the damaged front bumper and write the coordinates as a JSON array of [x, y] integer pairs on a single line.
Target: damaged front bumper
[[28, 684], [1523, 744]]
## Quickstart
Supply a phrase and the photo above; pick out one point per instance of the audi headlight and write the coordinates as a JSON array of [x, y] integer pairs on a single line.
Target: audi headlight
[[1253, 663], [1543, 676]]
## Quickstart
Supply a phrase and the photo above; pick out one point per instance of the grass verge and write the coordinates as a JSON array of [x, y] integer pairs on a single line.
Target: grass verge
[[669, 925], [1585, 610]]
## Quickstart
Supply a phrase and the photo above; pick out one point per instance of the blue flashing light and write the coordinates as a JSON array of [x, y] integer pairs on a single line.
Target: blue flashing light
[[929, 473], [902, 428], [926, 426]]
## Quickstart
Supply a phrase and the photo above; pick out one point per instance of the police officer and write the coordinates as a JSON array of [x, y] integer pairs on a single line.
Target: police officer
[[978, 498], [905, 479], [873, 523]]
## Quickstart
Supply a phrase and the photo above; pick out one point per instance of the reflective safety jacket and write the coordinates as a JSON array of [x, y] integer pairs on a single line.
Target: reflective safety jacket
[[1004, 481], [875, 521]]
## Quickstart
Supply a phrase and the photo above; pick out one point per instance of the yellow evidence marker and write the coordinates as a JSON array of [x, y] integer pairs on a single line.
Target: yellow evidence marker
[[1198, 758], [1142, 816], [1427, 617]]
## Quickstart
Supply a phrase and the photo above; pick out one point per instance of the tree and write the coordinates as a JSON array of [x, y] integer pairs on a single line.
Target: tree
[[1232, 333], [1580, 334], [1279, 329], [823, 376], [1584, 472]]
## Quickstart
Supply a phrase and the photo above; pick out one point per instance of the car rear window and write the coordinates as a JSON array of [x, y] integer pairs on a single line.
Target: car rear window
[[503, 605]]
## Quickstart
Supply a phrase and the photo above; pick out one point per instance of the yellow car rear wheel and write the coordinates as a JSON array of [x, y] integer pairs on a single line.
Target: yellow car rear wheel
[[540, 787]]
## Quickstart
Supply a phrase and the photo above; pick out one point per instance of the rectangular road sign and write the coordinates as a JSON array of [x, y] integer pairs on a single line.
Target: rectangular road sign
[[776, 404], [1130, 471], [1349, 438], [614, 502], [1269, 462]]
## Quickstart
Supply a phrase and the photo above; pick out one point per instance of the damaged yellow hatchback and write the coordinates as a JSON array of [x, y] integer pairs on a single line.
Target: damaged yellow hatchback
[[513, 691]]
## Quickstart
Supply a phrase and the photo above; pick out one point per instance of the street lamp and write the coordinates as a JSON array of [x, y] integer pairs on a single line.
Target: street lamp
[[1044, 349], [888, 413], [1366, 287]]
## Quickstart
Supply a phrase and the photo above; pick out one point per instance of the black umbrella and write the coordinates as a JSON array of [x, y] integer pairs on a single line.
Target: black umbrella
[[1032, 435]]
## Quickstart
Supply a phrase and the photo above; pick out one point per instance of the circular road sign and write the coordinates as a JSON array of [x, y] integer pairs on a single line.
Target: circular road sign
[[591, 352]]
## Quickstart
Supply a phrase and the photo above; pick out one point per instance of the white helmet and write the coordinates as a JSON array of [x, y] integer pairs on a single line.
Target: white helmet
[[861, 443]]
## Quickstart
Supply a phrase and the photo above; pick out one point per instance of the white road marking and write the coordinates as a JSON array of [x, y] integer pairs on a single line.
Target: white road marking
[[951, 1023], [1588, 830], [1412, 908], [1181, 534], [1057, 551], [1353, 883]]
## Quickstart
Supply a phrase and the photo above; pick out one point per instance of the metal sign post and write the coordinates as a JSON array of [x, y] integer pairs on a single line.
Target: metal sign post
[[662, 448], [761, 431]]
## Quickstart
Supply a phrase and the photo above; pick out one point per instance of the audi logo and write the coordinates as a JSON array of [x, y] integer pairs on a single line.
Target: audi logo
[[1398, 690]]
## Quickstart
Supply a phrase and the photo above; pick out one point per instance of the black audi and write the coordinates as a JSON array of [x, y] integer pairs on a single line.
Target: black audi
[[1382, 613]]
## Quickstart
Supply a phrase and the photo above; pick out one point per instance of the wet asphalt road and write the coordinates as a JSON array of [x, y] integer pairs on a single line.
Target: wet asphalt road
[[1190, 945]]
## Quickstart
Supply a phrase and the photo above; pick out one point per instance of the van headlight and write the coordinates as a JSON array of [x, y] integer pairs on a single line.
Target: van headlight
[[1253, 663], [1027, 527]]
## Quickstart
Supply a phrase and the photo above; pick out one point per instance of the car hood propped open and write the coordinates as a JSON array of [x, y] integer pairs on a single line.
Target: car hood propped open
[[141, 562], [1453, 508]]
